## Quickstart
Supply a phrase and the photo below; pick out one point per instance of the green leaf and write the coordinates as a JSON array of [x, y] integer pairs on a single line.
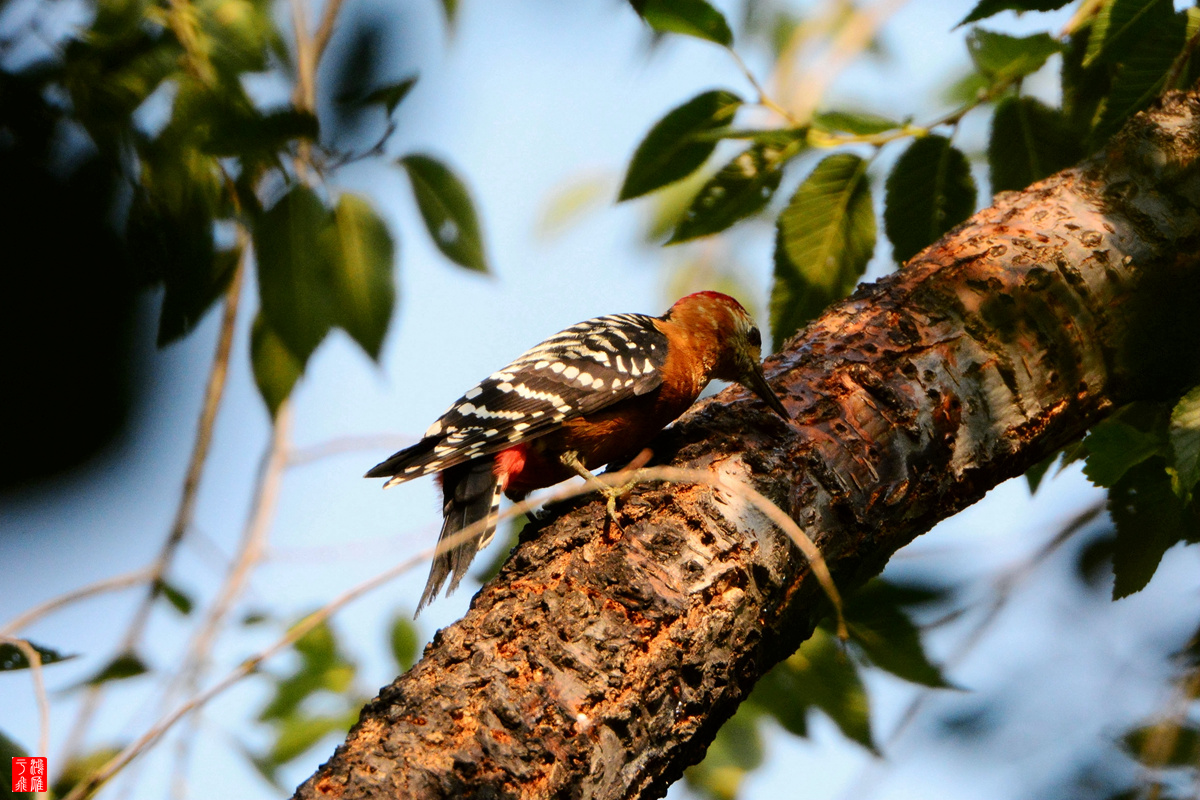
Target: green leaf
[[13, 657], [736, 750], [322, 667], [1141, 74], [1184, 739], [859, 123], [450, 9], [447, 210], [238, 35], [178, 196], [404, 641], [878, 623], [690, 17], [1120, 23], [1037, 472], [359, 248], [1114, 447], [191, 293], [670, 152], [740, 188], [929, 191], [176, 597], [298, 734], [125, 666], [1002, 58], [239, 130], [294, 271], [389, 96], [967, 89], [987, 8], [818, 675], [81, 767], [1150, 519], [1029, 141], [1083, 88], [276, 368], [1185, 444], [824, 239], [8, 751]]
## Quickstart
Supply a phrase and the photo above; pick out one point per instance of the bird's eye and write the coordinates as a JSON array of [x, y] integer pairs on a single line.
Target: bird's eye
[[755, 337]]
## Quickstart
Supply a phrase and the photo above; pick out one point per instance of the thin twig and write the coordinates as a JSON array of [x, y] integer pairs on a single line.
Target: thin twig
[[253, 543], [764, 99], [346, 444], [39, 689], [325, 31], [114, 584], [1004, 587], [305, 94], [852, 38], [249, 554], [88, 786], [185, 512]]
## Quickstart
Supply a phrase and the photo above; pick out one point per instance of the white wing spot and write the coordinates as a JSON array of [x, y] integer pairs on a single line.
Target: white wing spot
[[541, 365], [648, 368], [633, 367], [616, 384], [473, 393], [620, 364], [598, 383], [557, 367], [505, 387], [570, 372], [520, 426], [466, 408], [411, 469], [585, 378], [434, 429]]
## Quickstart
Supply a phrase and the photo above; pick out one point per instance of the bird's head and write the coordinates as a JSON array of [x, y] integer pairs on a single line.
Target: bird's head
[[738, 343]]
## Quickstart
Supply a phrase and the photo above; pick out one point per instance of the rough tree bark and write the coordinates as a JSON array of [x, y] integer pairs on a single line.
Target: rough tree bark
[[600, 664]]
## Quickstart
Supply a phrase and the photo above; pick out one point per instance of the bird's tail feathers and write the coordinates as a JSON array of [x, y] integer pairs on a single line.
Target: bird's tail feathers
[[472, 492], [394, 466]]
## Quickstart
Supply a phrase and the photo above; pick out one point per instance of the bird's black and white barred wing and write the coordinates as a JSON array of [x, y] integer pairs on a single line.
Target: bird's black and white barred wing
[[578, 371]]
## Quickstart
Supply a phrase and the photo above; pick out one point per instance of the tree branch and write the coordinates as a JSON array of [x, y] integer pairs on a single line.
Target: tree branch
[[601, 663]]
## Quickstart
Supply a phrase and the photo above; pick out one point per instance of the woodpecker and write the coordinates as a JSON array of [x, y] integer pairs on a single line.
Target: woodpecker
[[592, 394]]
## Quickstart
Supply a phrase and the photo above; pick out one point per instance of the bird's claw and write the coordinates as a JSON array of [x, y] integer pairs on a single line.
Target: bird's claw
[[612, 493]]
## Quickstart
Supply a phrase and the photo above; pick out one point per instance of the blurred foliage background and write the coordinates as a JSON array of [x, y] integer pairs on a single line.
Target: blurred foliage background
[[221, 180]]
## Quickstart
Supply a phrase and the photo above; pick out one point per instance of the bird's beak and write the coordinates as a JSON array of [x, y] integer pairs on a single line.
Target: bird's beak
[[757, 383]]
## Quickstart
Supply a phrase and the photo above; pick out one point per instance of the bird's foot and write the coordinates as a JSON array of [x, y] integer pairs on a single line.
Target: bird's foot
[[612, 493]]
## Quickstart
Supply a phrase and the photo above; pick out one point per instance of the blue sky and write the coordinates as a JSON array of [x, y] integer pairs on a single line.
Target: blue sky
[[527, 98]]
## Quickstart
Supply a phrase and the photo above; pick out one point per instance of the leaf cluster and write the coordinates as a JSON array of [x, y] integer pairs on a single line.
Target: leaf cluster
[[1148, 457], [315, 699], [1114, 58], [160, 91], [1120, 58], [825, 675]]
